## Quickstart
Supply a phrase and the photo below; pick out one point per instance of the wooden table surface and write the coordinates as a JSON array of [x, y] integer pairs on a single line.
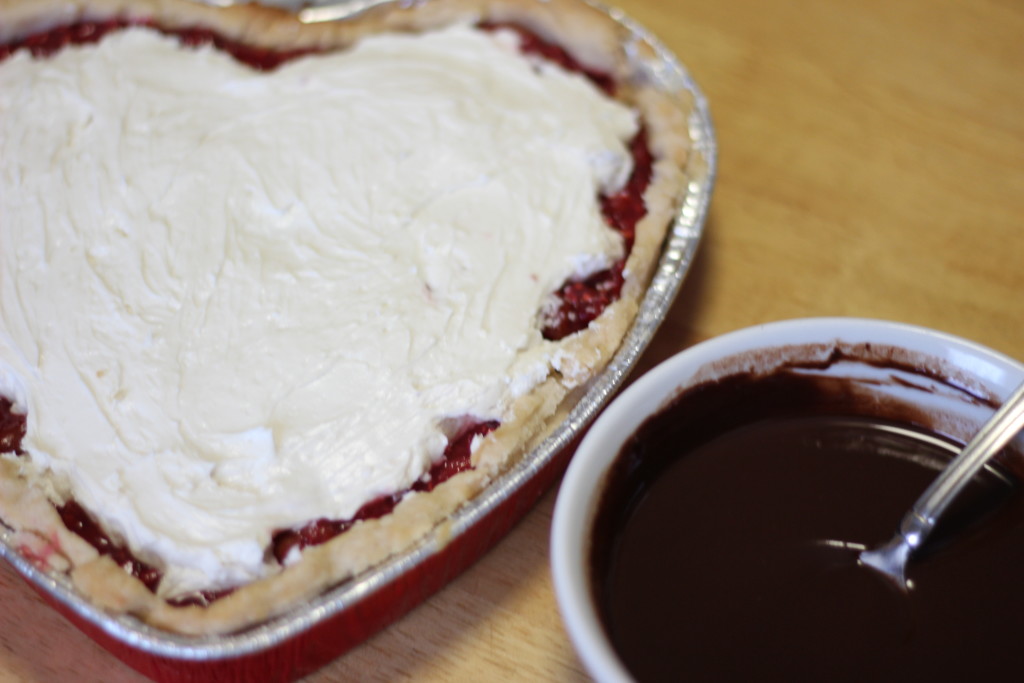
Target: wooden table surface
[[871, 163]]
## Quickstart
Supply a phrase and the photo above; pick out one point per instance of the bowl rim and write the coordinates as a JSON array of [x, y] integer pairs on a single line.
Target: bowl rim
[[579, 493]]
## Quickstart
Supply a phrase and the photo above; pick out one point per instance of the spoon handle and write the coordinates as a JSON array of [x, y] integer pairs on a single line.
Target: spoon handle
[[336, 11], [918, 523]]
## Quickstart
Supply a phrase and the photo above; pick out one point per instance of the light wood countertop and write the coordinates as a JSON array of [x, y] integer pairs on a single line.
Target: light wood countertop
[[871, 163]]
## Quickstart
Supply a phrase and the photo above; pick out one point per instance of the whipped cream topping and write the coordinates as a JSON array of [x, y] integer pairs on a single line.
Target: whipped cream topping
[[234, 302]]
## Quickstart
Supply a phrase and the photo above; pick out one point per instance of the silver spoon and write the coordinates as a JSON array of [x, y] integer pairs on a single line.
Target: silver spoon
[[317, 12], [891, 558], [337, 11]]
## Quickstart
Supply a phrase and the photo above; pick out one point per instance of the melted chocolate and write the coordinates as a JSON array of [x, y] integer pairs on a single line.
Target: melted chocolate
[[719, 553]]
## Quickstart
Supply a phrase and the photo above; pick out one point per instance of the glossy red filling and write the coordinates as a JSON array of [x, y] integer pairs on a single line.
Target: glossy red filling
[[47, 43], [532, 44], [76, 519], [456, 459], [12, 428], [580, 302]]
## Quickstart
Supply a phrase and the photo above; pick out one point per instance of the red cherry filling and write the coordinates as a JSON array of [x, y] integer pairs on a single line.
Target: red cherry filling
[[531, 44], [49, 42], [76, 519], [456, 459], [581, 301], [12, 428]]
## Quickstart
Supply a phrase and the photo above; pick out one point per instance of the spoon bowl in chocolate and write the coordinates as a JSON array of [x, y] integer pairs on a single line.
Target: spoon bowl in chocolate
[[891, 558]]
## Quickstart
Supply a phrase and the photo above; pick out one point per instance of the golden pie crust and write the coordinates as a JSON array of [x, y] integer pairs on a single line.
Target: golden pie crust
[[592, 38]]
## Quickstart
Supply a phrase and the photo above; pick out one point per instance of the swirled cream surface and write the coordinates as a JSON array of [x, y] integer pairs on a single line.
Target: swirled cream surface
[[235, 301]]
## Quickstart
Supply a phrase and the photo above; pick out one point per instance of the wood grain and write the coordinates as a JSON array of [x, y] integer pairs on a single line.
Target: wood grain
[[871, 164]]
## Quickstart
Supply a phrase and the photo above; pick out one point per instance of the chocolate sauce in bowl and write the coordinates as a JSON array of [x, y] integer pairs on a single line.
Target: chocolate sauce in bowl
[[727, 539]]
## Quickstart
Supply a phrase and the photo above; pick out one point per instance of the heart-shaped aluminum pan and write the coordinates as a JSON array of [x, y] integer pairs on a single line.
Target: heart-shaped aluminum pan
[[394, 586]]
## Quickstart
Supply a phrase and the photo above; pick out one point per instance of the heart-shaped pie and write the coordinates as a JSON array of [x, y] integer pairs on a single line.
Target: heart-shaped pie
[[277, 298]]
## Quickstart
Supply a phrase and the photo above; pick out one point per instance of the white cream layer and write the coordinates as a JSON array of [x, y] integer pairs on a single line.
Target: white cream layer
[[234, 302]]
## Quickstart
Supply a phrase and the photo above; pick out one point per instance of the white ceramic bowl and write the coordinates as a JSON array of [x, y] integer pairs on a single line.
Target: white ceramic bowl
[[954, 381]]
